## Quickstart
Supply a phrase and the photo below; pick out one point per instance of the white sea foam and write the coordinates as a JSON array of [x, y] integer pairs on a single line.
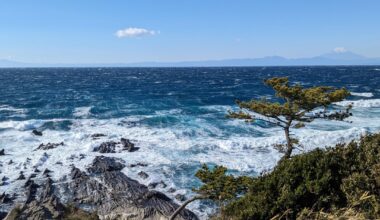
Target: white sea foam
[[362, 103], [168, 151], [19, 112], [82, 112], [362, 94]]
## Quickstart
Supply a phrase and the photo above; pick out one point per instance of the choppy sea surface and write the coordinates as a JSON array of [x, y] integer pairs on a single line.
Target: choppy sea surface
[[175, 115]]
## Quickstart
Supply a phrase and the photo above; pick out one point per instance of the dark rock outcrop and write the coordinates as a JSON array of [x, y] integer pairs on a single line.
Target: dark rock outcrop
[[21, 176], [127, 145], [2, 152], [115, 196], [143, 175], [49, 146], [37, 133], [161, 184], [104, 190], [106, 147], [97, 135], [103, 164], [5, 198], [138, 165], [180, 197]]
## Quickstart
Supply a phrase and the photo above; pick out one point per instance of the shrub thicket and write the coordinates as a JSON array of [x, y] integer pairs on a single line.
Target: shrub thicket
[[342, 181]]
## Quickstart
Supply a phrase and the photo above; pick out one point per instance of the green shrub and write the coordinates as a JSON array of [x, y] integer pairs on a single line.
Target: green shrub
[[321, 184]]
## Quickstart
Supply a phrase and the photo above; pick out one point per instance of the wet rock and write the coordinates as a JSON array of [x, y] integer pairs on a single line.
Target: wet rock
[[31, 191], [10, 162], [36, 170], [28, 182], [77, 173], [45, 206], [102, 164], [49, 146], [138, 165], [5, 198], [37, 133], [161, 184], [143, 175], [2, 152], [171, 190], [97, 135], [127, 145], [82, 156], [21, 177], [180, 197], [4, 178], [106, 147], [46, 173]]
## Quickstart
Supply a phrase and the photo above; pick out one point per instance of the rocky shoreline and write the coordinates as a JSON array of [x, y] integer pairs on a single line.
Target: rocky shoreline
[[101, 191]]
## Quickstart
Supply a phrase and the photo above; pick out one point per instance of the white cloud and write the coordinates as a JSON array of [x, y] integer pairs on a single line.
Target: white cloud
[[340, 50], [134, 32]]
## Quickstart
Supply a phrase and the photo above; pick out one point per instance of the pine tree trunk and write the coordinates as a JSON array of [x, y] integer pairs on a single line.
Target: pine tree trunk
[[172, 217], [289, 146]]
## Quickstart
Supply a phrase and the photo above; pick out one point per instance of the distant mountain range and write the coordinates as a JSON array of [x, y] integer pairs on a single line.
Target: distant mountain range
[[333, 58]]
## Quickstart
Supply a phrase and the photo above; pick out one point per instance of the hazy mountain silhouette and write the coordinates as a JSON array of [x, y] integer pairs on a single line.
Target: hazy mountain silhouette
[[333, 58]]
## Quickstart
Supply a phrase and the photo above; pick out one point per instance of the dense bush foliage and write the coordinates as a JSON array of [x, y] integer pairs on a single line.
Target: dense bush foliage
[[322, 184]]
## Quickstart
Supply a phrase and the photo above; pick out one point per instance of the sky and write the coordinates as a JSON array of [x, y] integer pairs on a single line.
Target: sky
[[126, 31]]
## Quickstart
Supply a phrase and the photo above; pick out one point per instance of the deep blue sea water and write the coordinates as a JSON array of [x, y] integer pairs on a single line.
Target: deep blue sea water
[[175, 115]]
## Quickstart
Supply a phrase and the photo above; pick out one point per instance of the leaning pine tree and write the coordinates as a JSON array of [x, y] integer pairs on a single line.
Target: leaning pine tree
[[298, 106]]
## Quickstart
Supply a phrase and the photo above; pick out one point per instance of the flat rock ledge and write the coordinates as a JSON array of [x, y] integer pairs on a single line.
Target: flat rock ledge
[[100, 192]]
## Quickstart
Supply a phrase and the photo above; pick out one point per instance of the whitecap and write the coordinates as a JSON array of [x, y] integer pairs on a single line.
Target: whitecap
[[82, 112], [362, 94], [362, 103]]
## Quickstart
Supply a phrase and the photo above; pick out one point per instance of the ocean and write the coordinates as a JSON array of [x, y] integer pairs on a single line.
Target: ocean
[[176, 116]]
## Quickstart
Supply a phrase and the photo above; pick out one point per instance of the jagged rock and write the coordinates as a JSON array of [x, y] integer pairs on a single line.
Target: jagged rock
[[4, 178], [31, 191], [138, 165], [5, 198], [82, 156], [37, 133], [77, 173], [180, 197], [102, 164], [171, 190], [97, 135], [49, 146], [129, 199], [105, 190], [2, 152], [21, 177], [46, 173], [36, 170], [153, 185], [45, 206], [143, 175], [106, 147], [10, 162], [127, 145], [28, 182]]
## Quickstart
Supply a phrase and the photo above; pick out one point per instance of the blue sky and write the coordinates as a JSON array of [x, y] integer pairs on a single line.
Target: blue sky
[[85, 31]]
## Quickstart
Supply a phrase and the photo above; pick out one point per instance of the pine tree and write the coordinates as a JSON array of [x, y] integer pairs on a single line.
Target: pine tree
[[297, 106]]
